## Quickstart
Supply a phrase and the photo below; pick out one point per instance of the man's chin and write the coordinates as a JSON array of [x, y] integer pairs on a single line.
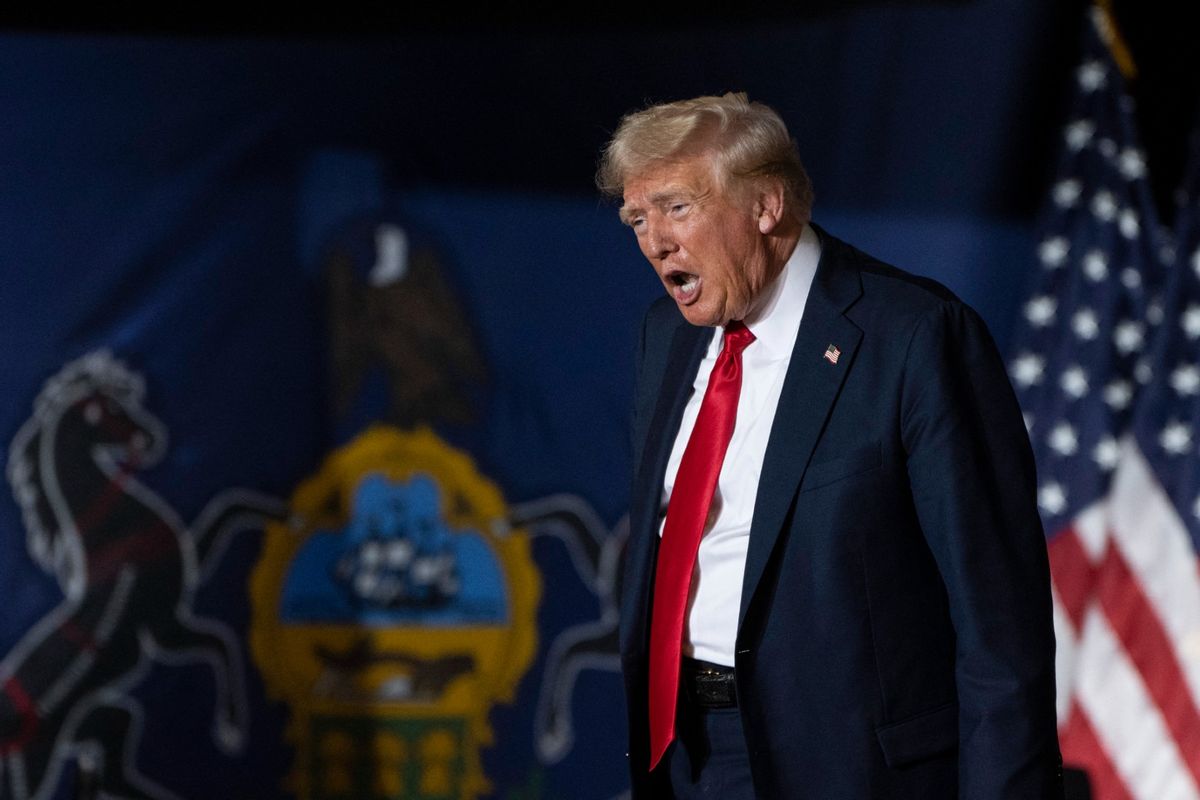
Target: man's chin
[[701, 316]]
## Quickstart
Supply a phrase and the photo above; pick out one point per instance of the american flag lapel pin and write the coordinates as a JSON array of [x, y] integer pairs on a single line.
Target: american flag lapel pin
[[832, 353]]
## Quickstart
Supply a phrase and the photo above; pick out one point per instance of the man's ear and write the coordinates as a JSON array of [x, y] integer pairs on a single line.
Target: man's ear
[[770, 205]]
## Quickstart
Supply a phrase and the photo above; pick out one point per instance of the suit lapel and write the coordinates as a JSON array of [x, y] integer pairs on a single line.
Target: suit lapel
[[679, 373], [809, 390]]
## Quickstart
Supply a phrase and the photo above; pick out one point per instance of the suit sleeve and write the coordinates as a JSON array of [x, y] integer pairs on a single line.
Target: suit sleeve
[[635, 447], [974, 488]]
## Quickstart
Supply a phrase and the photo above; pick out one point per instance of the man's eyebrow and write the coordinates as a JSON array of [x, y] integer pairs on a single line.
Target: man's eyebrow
[[667, 196], [661, 198]]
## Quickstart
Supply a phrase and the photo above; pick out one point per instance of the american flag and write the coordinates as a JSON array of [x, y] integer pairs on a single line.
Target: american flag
[[1154, 536], [1106, 368]]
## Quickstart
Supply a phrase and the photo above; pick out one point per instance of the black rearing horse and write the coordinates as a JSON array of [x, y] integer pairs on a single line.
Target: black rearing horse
[[128, 568]]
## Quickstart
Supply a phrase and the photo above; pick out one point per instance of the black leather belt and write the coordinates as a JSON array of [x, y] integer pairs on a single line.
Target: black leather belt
[[708, 685]]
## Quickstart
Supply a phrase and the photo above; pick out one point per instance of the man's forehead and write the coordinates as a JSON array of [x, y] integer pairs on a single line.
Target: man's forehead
[[666, 179], [655, 194]]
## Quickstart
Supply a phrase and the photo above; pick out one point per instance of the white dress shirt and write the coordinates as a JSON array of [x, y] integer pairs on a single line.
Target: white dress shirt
[[716, 588]]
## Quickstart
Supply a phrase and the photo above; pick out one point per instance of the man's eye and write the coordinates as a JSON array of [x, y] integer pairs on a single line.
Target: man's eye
[[679, 208]]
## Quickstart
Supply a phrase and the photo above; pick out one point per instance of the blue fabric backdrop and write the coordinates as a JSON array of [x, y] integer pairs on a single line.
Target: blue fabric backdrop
[[176, 202]]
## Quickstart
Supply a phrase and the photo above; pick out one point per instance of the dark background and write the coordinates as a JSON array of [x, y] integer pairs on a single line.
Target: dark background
[[168, 182], [546, 87]]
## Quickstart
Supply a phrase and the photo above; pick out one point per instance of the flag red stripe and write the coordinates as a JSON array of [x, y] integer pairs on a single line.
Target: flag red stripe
[[1073, 573], [1081, 749], [1148, 646]]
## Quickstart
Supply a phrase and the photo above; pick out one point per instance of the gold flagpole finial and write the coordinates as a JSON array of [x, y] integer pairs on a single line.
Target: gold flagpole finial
[[1106, 21]]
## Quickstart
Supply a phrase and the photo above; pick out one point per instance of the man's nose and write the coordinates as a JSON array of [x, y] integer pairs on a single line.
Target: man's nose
[[659, 241]]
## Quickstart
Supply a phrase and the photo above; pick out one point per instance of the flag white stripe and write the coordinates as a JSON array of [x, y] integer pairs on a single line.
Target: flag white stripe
[[1091, 528], [1126, 720], [1155, 544]]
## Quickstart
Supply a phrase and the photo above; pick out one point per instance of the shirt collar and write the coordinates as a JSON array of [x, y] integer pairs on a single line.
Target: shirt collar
[[775, 322]]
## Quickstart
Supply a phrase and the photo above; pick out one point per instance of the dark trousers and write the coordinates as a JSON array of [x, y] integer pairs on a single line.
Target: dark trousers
[[709, 759]]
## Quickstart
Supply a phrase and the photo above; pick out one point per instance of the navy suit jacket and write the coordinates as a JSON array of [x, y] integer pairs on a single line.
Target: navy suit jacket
[[895, 636]]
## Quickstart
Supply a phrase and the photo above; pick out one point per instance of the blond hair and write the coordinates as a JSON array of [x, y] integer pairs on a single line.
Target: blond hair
[[747, 139]]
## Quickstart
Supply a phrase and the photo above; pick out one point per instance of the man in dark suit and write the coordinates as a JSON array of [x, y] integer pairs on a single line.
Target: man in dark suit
[[836, 584]]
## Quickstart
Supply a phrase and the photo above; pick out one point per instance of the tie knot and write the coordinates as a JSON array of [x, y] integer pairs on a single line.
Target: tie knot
[[737, 337]]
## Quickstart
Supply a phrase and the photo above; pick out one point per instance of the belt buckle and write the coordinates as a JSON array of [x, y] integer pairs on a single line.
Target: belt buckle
[[713, 689]]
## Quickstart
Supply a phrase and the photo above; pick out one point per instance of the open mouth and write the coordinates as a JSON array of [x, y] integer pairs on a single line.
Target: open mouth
[[683, 285]]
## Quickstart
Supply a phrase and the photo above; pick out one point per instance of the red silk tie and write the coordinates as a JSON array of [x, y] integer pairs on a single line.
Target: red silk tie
[[687, 512]]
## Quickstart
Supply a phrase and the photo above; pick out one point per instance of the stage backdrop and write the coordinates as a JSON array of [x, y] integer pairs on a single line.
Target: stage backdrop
[[316, 465]]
